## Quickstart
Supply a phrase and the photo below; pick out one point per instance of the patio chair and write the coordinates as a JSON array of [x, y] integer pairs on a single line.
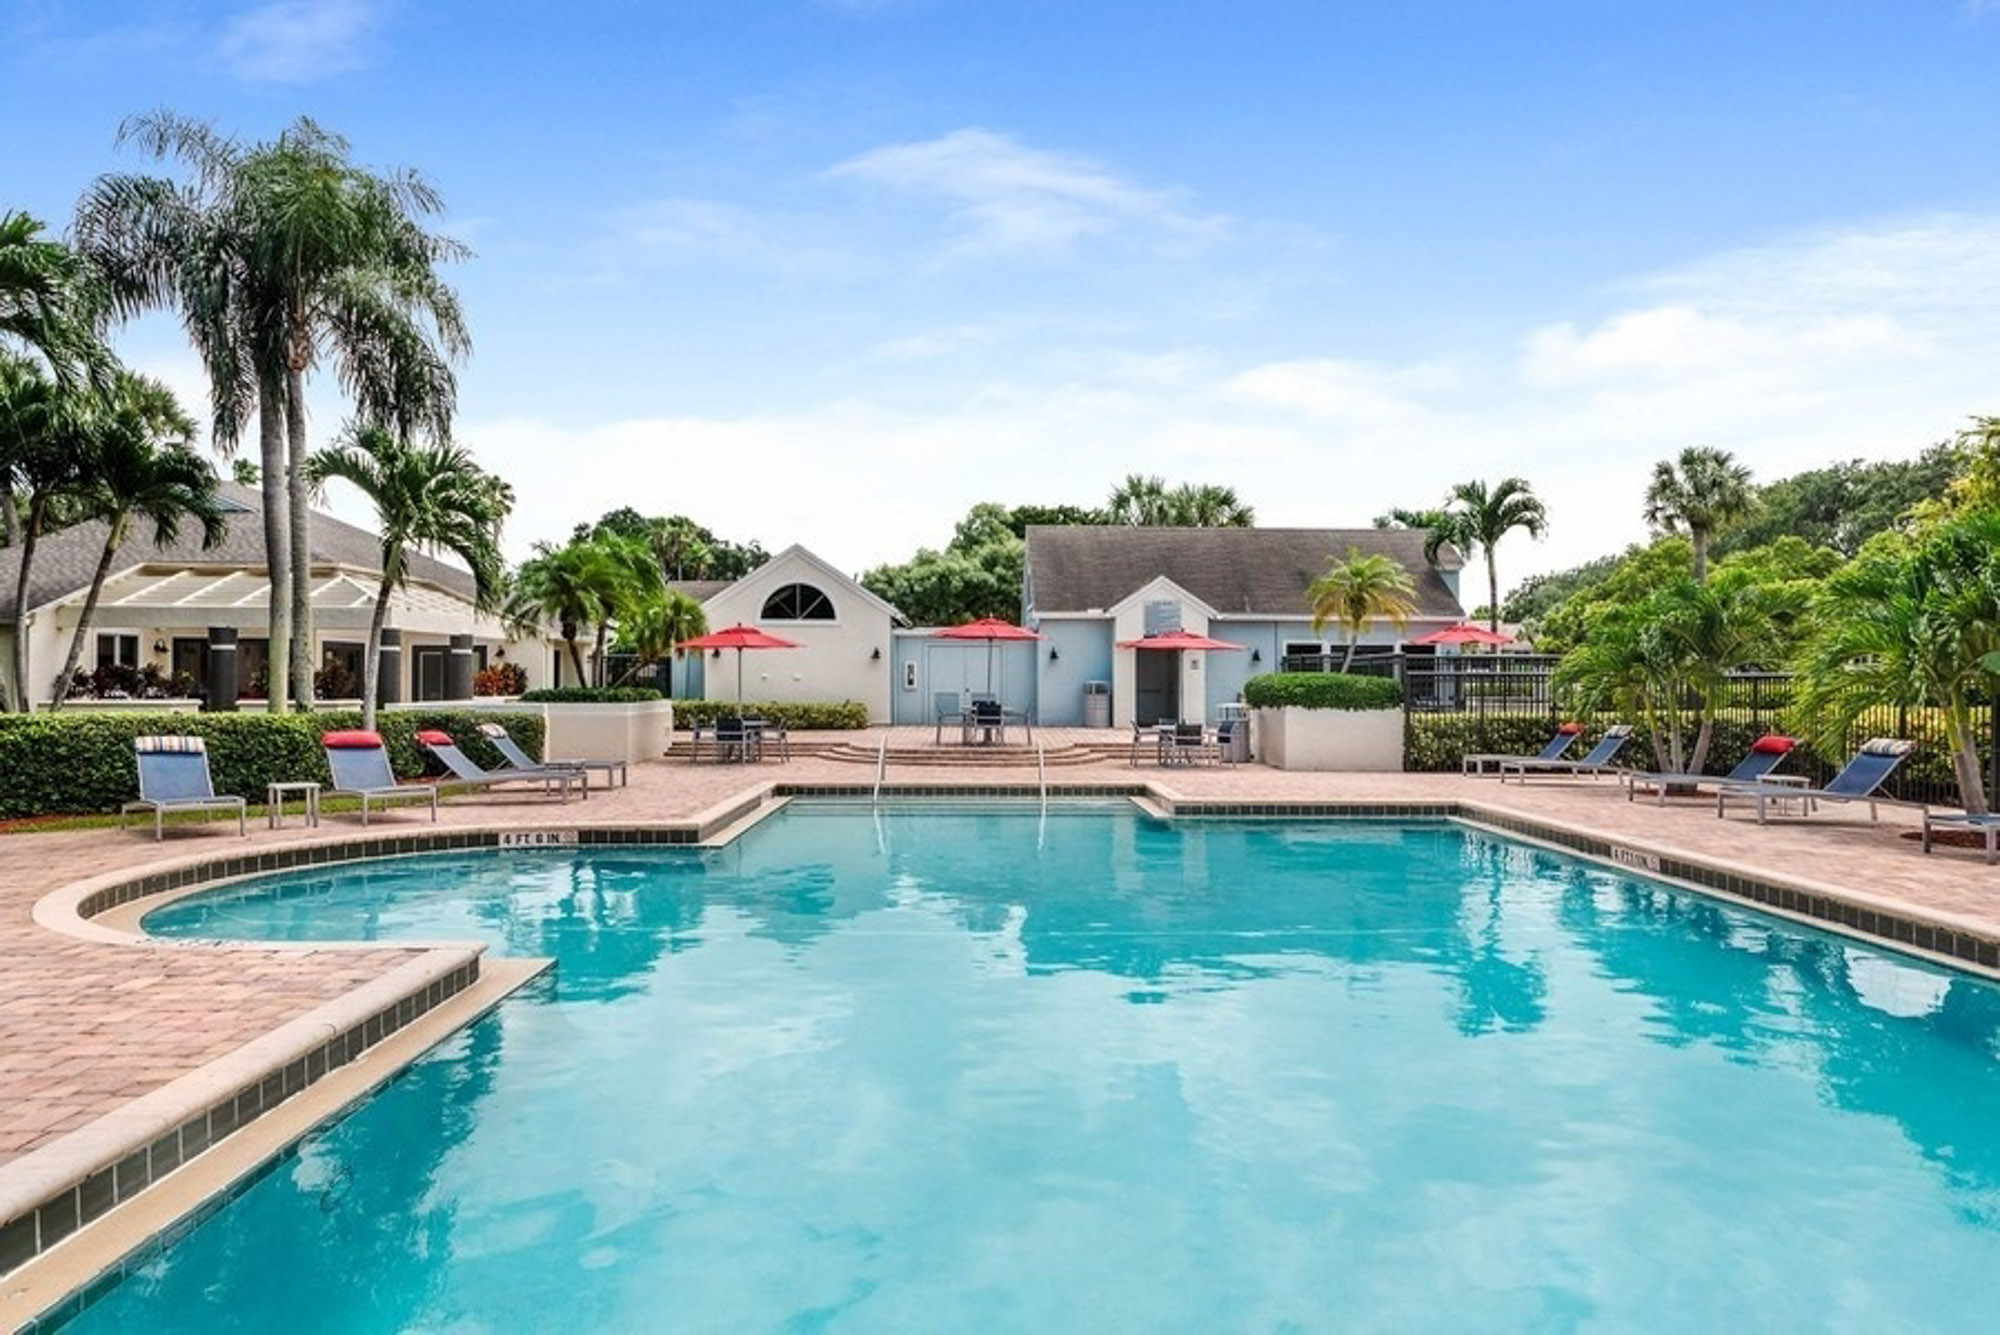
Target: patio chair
[[736, 738], [1188, 744], [764, 733], [360, 766], [1596, 763], [1565, 737], [947, 706], [464, 770], [519, 761], [173, 776], [1987, 825], [1859, 780], [1764, 756], [1155, 735], [989, 719]]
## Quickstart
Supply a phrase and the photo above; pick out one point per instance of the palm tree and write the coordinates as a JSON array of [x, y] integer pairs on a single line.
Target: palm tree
[[44, 439], [427, 497], [46, 301], [1398, 517], [1138, 501], [1913, 624], [1707, 490], [1208, 506], [1359, 591], [277, 255], [139, 468], [581, 584], [654, 627], [678, 544], [1477, 517]]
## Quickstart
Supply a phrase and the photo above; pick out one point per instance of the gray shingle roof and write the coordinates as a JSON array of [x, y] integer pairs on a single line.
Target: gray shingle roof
[[65, 560], [1259, 571], [701, 590]]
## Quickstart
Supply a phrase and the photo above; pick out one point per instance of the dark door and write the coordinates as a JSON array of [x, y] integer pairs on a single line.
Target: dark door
[[428, 671], [191, 660], [1156, 696]]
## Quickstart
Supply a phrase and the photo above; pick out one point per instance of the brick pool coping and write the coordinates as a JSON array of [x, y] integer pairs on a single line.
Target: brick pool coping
[[49, 1192]]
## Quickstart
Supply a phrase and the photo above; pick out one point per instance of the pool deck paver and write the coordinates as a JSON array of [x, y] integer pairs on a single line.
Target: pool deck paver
[[87, 1027]]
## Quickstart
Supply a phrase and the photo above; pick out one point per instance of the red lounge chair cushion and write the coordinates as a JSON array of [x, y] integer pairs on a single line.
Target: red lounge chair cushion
[[1773, 744], [435, 737], [1570, 728], [354, 739]]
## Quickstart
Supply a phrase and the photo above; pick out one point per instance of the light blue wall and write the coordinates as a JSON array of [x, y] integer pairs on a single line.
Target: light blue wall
[[958, 666], [1083, 653]]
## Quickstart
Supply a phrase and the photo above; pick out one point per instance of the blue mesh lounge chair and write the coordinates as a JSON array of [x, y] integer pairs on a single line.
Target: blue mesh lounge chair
[[1596, 763], [463, 770], [173, 776], [1988, 825], [360, 765], [1565, 738], [1765, 755], [1860, 780], [519, 760]]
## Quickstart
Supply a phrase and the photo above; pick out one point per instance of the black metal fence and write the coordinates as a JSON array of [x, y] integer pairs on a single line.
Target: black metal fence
[[1458, 704]]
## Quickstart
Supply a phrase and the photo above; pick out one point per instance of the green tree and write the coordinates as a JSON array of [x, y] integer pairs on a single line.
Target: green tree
[[1911, 622], [138, 469], [588, 582], [1359, 591], [1842, 505], [652, 630], [427, 498], [1476, 517], [47, 304], [1147, 502], [276, 256], [44, 440], [1706, 489]]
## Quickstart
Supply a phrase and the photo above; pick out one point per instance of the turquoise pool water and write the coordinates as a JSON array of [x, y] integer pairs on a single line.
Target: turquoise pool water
[[966, 1073]]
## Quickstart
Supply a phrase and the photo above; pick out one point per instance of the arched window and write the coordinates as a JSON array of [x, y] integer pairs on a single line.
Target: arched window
[[797, 602]]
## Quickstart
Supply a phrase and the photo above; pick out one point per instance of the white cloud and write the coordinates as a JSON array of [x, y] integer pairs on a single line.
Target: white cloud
[[1007, 198], [297, 41]]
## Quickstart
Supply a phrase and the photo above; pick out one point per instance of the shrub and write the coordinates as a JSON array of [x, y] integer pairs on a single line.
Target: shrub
[[1322, 690], [336, 681], [116, 681], [500, 679], [74, 764], [845, 716], [590, 695]]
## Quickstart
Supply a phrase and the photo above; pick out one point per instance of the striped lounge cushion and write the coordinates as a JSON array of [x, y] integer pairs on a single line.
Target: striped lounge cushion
[[183, 745]]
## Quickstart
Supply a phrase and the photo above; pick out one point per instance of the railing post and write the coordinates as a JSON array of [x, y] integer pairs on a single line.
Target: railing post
[[1993, 757]]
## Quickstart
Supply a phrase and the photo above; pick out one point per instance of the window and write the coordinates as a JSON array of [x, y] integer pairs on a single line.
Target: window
[[797, 602], [115, 650]]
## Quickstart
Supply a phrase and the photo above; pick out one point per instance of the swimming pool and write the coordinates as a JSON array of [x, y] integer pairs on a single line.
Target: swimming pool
[[974, 1072]]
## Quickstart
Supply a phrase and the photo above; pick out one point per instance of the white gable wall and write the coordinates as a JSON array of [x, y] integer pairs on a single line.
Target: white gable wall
[[834, 661]]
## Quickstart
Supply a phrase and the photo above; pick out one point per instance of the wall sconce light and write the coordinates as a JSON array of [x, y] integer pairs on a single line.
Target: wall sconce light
[[499, 651], [715, 653], [159, 646], [1256, 655], [1054, 657], [875, 654]]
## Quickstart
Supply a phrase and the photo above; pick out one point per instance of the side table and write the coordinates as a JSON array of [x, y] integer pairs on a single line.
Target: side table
[[274, 801]]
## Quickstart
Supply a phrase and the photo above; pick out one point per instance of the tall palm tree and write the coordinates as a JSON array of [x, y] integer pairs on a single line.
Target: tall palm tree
[[1139, 501], [1206, 505], [139, 468], [280, 255], [1398, 517], [47, 302], [1359, 591], [584, 583], [678, 544], [1477, 517], [44, 436], [1701, 492], [427, 497]]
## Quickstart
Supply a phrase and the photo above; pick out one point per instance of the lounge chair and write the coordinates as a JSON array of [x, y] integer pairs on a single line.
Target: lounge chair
[[1596, 763], [463, 770], [173, 776], [519, 761], [1565, 738], [360, 766], [1988, 825], [1860, 780], [1765, 755]]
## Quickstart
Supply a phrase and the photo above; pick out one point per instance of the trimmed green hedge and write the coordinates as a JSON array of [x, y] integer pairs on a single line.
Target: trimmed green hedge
[[846, 716], [1322, 690], [81, 763], [590, 695]]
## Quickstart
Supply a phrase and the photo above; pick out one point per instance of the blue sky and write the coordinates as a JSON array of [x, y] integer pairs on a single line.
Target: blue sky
[[831, 272]]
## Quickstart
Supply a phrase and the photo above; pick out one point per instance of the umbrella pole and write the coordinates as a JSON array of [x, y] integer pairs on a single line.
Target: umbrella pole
[[739, 681]]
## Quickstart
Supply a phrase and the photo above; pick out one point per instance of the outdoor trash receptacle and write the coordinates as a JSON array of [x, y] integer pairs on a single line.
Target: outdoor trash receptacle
[[1097, 704]]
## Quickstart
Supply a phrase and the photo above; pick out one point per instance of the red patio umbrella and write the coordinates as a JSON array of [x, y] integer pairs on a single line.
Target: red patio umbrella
[[739, 638], [1465, 632], [1179, 639], [989, 629]]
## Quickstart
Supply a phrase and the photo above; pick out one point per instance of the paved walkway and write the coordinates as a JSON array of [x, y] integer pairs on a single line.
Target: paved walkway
[[87, 1027]]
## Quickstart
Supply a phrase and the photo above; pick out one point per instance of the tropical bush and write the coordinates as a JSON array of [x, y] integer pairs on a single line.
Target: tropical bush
[[590, 695], [500, 679], [1322, 690], [117, 681], [72, 764], [846, 716]]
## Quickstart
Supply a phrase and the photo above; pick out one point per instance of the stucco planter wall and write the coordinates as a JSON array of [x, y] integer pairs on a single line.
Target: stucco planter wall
[[630, 732], [1330, 739]]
